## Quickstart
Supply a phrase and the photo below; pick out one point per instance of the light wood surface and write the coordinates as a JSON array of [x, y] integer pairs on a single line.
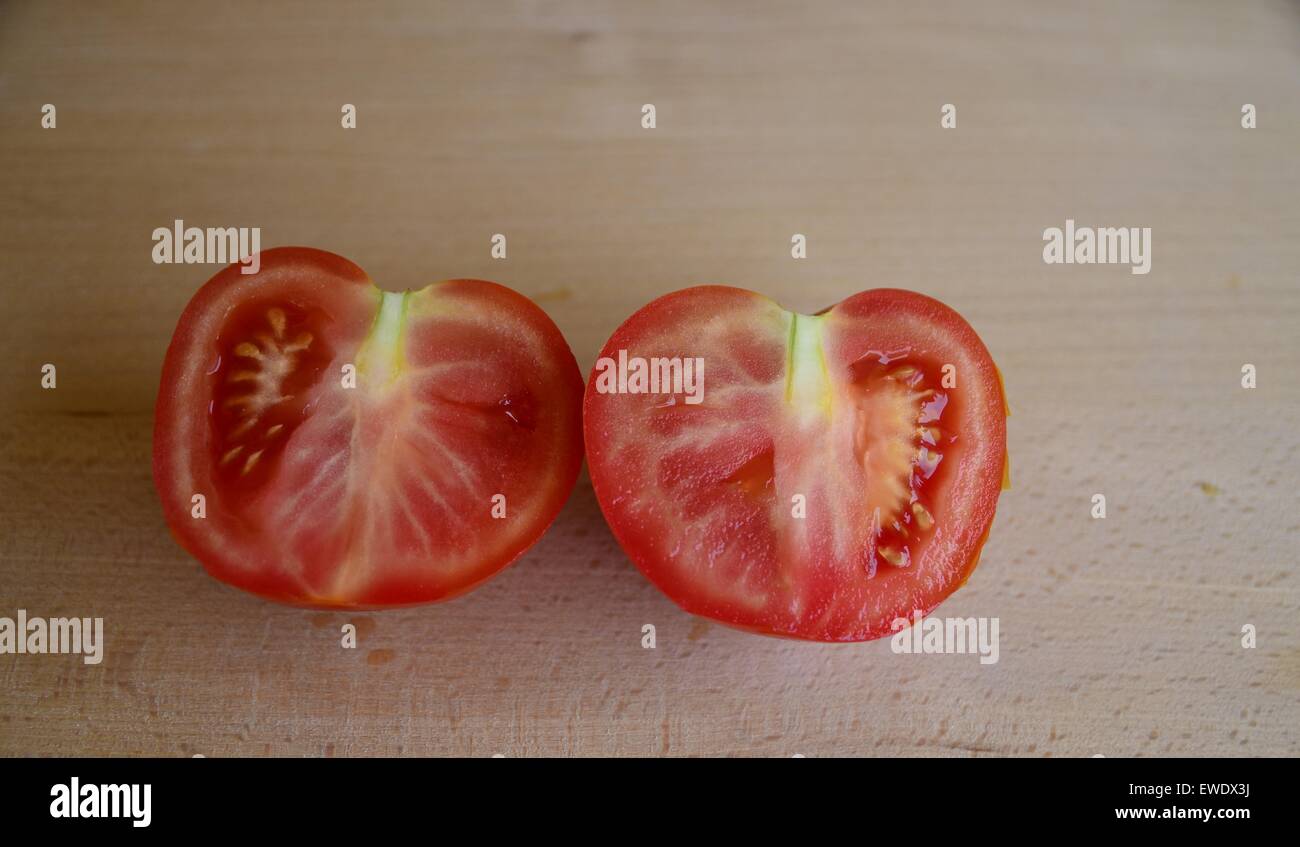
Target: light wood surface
[[1119, 636]]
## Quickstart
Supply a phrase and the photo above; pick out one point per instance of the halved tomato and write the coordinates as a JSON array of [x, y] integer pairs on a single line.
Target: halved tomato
[[318, 441], [837, 471]]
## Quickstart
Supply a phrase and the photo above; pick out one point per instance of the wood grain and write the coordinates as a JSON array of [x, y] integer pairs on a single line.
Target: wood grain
[[1118, 636]]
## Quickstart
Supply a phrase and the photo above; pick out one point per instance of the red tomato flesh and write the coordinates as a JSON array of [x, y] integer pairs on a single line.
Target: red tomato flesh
[[841, 471], [358, 448]]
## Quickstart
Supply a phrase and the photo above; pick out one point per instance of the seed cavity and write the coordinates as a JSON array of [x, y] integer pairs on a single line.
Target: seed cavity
[[241, 429], [933, 408], [302, 342], [907, 375], [272, 361], [897, 441], [927, 462], [275, 316], [898, 557], [251, 462]]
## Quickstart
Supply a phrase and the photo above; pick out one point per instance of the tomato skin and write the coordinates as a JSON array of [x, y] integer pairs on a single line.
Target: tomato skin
[[698, 496], [473, 377]]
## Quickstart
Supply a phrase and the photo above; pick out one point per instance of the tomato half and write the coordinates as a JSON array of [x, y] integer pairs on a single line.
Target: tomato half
[[320, 442], [839, 471]]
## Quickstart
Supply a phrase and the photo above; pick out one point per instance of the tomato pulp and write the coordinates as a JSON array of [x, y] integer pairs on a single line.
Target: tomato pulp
[[321, 442], [834, 473]]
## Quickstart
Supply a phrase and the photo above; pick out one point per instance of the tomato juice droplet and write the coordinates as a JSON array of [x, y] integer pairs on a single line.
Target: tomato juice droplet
[[520, 408]]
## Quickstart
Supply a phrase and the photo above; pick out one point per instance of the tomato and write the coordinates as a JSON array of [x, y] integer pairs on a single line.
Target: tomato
[[320, 442], [838, 472]]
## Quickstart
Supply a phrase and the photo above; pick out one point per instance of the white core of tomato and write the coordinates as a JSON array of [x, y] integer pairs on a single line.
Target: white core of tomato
[[808, 382], [380, 358]]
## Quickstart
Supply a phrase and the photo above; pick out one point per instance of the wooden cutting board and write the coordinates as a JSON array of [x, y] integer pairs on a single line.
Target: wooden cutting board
[[1119, 637]]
